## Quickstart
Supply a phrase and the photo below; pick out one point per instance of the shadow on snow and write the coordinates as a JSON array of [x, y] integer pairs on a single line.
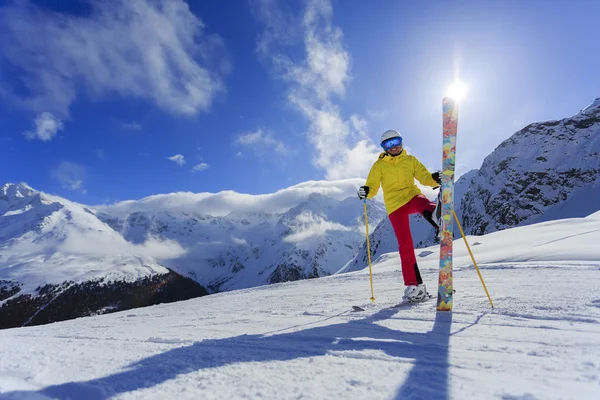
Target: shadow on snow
[[427, 379]]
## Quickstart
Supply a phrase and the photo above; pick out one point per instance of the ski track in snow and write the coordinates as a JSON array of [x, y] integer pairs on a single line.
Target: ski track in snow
[[301, 340]]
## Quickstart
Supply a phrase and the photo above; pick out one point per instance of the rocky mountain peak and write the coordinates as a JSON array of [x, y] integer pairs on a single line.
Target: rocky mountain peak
[[539, 169], [19, 196], [593, 108], [15, 191]]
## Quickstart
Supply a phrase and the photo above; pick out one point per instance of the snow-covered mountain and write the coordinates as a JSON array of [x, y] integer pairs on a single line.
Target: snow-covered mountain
[[246, 249], [43, 232], [53, 251], [545, 171], [58, 261]]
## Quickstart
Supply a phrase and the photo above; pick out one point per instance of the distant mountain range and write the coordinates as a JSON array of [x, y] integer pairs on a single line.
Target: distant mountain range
[[55, 253], [242, 249], [60, 259]]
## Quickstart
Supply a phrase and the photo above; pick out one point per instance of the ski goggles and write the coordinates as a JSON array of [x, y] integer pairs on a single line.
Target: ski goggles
[[393, 142]]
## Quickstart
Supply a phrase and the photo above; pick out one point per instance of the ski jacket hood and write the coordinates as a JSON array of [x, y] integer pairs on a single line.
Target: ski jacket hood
[[396, 177]]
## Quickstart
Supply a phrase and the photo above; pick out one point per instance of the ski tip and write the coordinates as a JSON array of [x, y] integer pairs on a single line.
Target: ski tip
[[357, 308]]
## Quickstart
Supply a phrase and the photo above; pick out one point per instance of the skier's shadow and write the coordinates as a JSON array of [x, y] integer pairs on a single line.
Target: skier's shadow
[[428, 378]]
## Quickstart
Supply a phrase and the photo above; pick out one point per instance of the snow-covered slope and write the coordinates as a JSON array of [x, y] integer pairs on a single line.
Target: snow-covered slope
[[301, 339], [545, 171]]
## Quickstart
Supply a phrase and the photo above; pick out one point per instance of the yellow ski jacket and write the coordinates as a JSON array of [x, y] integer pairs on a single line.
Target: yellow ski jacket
[[396, 176]]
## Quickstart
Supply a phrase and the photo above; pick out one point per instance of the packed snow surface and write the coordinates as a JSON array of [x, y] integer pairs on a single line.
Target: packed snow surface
[[302, 339]]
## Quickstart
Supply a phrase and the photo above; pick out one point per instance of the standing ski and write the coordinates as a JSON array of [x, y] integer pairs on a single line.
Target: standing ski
[[450, 109]]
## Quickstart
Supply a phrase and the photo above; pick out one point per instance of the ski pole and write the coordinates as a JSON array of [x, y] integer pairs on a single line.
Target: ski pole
[[369, 251], [472, 258]]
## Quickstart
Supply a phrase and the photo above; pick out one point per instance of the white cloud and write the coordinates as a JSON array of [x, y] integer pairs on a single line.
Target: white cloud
[[177, 159], [359, 124], [314, 81], [211, 243], [260, 141], [131, 126], [282, 26], [153, 50], [200, 167], [97, 243], [46, 127], [222, 203], [238, 241], [70, 175], [355, 161], [308, 225]]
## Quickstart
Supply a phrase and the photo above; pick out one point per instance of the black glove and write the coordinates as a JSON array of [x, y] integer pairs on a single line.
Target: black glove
[[436, 177], [363, 191]]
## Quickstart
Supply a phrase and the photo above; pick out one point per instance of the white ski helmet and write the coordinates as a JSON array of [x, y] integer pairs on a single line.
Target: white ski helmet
[[389, 134]]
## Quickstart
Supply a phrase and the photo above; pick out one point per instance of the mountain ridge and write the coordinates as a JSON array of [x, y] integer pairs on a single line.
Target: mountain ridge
[[534, 172]]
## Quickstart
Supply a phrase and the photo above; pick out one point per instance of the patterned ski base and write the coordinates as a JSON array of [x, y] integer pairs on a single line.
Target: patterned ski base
[[444, 300]]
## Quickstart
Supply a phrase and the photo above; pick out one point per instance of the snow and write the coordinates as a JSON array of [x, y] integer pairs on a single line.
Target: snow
[[594, 105], [545, 171], [47, 239], [301, 339]]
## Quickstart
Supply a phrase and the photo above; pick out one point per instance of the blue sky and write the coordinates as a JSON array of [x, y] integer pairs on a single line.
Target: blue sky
[[108, 101]]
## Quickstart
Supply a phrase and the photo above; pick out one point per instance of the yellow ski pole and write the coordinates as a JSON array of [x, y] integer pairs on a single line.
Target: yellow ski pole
[[369, 251], [472, 258]]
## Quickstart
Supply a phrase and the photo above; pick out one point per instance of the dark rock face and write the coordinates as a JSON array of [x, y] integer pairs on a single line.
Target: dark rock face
[[8, 289], [290, 272], [68, 300]]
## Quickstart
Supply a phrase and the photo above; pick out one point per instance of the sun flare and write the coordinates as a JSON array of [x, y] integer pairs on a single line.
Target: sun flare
[[457, 90]]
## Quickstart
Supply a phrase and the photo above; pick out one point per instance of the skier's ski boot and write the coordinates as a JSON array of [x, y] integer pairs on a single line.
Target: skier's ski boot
[[415, 293]]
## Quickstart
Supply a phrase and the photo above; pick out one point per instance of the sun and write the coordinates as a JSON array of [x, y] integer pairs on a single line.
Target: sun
[[457, 90]]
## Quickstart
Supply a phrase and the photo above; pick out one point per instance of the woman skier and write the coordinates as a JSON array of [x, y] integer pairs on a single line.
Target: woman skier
[[395, 171]]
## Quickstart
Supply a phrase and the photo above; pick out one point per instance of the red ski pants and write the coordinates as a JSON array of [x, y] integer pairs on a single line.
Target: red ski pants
[[401, 225]]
